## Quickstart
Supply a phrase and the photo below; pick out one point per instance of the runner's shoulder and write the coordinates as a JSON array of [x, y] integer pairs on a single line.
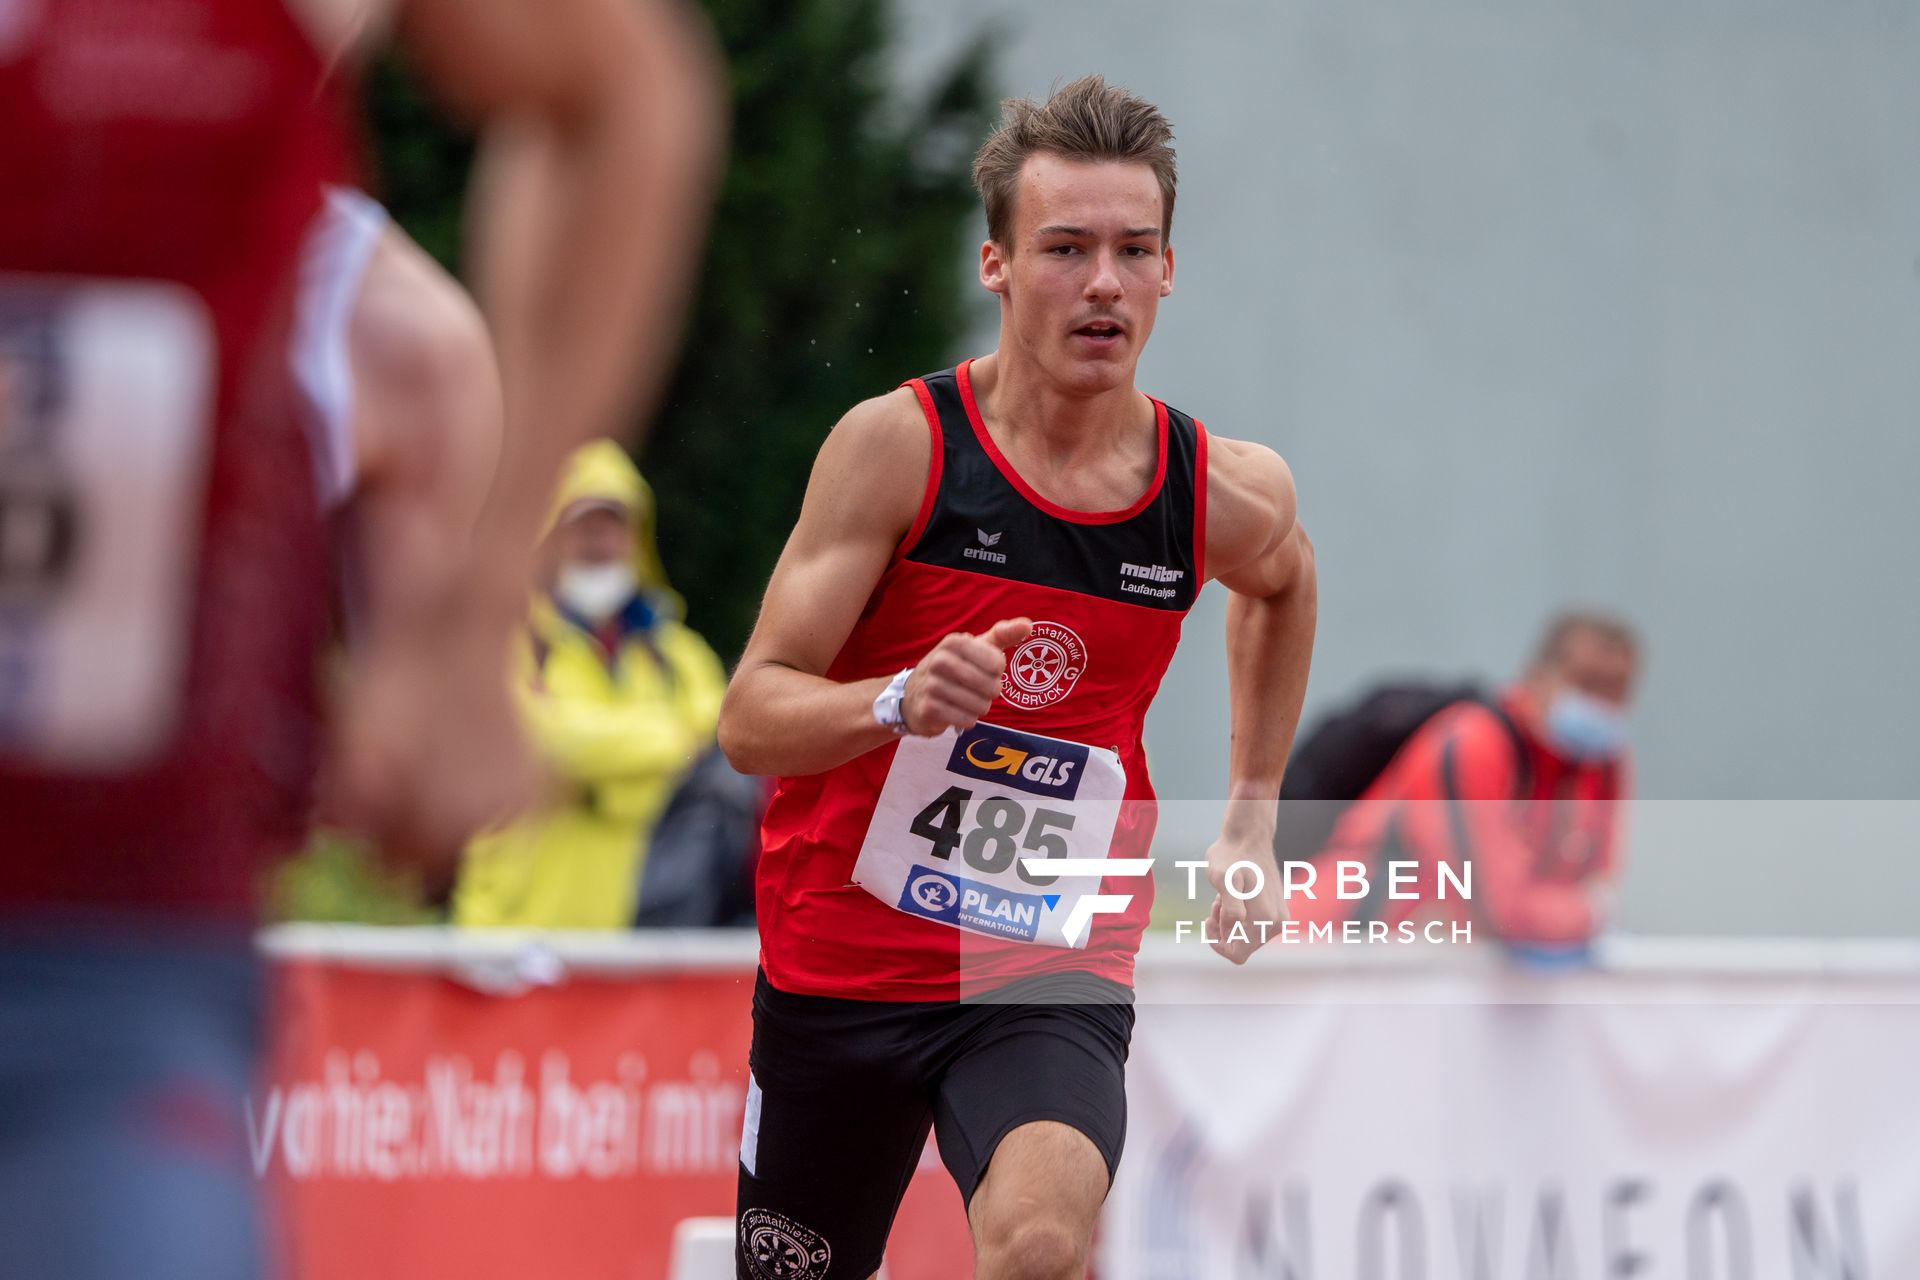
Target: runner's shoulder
[[891, 424], [884, 438], [878, 455], [1251, 502]]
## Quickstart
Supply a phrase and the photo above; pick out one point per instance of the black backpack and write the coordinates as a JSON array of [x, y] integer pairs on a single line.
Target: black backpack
[[698, 871], [1350, 748]]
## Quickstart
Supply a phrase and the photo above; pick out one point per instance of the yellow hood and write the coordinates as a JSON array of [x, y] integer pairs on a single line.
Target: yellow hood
[[601, 471]]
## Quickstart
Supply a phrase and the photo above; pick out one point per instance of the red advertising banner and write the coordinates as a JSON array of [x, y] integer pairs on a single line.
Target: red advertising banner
[[412, 1125]]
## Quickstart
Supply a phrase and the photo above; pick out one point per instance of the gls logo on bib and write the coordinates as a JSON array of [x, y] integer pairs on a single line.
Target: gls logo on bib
[[1038, 766]]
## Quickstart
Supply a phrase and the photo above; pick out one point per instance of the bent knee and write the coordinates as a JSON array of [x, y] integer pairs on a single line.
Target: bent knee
[[1035, 1249]]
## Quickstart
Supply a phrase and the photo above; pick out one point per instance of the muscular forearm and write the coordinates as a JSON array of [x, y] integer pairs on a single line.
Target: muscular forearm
[[777, 721], [1269, 650]]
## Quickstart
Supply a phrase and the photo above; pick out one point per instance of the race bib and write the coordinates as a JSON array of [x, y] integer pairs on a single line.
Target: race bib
[[107, 393], [965, 818]]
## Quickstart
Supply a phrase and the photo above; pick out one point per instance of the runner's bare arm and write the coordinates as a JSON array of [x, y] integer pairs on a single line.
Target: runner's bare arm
[[624, 99], [782, 715], [1257, 549], [426, 427], [426, 436], [627, 91]]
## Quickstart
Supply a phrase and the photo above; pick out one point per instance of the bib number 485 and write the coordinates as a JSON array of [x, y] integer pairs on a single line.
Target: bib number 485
[[1003, 828]]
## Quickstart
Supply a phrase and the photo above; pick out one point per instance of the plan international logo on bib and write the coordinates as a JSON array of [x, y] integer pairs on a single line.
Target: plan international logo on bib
[[972, 904]]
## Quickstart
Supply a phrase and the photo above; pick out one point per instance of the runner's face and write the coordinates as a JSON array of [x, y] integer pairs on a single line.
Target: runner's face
[[1082, 277]]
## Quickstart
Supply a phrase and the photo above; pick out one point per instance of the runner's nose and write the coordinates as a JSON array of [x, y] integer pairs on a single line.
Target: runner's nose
[[1104, 284]]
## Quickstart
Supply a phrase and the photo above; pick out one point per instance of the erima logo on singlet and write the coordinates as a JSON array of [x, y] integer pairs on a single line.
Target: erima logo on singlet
[[981, 553], [1038, 766]]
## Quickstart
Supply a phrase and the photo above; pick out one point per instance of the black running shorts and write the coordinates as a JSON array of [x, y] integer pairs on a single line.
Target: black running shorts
[[843, 1093]]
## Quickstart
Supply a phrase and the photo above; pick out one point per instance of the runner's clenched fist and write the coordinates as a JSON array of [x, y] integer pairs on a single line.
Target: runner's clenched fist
[[952, 687]]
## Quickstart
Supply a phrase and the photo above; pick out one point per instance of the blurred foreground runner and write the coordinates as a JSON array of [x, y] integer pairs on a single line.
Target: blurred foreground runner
[[162, 553], [950, 679]]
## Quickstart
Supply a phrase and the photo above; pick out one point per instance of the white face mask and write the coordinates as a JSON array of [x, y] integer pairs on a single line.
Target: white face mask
[[1585, 728], [596, 591]]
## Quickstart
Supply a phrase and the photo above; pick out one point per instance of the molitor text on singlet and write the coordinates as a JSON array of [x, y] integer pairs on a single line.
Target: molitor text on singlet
[[1158, 574]]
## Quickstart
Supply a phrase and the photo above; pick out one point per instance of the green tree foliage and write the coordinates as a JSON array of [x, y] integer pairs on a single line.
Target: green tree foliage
[[832, 273]]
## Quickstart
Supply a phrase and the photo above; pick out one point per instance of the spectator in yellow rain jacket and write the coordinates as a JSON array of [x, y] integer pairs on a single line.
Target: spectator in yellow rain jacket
[[621, 699]]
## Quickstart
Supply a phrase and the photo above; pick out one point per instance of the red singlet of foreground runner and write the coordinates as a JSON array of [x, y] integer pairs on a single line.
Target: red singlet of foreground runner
[[162, 541]]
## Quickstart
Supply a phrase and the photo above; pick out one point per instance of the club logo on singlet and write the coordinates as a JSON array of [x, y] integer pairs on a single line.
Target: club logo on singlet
[[1044, 668]]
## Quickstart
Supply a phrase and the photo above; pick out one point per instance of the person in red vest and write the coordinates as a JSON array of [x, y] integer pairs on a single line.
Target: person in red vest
[[1520, 794]]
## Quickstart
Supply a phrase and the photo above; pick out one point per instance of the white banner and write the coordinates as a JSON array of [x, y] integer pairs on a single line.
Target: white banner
[[1766, 1128]]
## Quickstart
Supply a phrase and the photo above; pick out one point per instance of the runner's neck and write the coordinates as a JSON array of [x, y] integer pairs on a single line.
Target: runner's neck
[[1050, 435]]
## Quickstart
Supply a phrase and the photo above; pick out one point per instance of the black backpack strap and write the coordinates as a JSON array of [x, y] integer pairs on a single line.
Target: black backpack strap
[[1522, 750]]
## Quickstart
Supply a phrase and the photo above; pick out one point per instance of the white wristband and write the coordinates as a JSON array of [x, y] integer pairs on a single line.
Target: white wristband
[[889, 709]]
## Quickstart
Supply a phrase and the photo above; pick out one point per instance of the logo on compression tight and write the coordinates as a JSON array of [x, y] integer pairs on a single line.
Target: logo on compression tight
[[1044, 668], [776, 1247]]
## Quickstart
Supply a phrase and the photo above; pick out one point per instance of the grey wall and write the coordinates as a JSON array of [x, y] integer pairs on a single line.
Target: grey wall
[[1564, 301]]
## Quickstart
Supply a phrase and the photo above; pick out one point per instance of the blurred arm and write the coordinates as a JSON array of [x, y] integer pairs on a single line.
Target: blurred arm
[[588, 225], [430, 748], [426, 428]]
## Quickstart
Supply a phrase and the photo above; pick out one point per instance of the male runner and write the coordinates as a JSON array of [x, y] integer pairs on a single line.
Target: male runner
[[950, 678], [161, 553]]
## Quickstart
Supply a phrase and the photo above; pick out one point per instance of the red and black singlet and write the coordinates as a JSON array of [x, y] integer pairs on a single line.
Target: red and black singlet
[[162, 567], [1107, 593]]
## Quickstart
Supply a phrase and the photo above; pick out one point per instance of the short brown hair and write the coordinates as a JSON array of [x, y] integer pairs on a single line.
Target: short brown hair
[[1604, 626], [1086, 120]]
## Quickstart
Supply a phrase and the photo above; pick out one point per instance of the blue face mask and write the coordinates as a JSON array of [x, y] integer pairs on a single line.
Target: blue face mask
[[1582, 727]]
